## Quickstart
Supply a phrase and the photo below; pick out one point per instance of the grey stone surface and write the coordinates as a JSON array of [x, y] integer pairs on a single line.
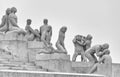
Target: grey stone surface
[[105, 69], [55, 56], [36, 44], [55, 65], [81, 67], [115, 69], [12, 73]]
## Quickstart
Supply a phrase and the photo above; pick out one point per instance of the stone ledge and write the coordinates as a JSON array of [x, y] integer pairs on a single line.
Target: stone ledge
[[35, 44], [21, 73], [56, 56]]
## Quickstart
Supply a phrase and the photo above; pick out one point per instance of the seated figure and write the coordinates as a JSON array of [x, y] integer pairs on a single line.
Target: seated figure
[[30, 34], [5, 24], [46, 37], [46, 32], [12, 22]]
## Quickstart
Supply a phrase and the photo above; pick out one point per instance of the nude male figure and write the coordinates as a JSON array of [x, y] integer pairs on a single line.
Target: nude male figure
[[97, 49], [79, 42], [60, 42], [44, 28], [5, 24], [30, 35], [13, 20], [46, 37], [88, 41]]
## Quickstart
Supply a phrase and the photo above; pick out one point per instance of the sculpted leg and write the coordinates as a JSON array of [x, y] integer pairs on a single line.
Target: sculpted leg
[[83, 58], [74, 56], [60, 47], [90, 57], [93, 69]]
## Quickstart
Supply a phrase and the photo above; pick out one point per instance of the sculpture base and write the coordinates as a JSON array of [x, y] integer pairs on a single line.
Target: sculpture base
[[54, 62], [20, 73]]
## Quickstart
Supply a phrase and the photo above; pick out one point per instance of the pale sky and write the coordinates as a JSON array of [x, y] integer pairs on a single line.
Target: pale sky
[[100, 18]]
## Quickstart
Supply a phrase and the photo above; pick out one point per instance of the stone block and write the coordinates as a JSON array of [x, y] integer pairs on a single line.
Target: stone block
[[11, 35], [55, 65], [2, 35], [17, 48], [105, 69], [52, 56], [35, 44], [81, 67]]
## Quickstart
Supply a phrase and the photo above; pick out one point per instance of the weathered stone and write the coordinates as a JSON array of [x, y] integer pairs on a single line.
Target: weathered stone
[[23, 73], [81, 67], [11, 35], [105, 69], [52, 56], [2, 35], [55, 65], [35, 44]]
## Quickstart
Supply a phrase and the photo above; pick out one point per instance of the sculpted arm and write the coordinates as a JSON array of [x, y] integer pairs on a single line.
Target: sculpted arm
[[35, 33]]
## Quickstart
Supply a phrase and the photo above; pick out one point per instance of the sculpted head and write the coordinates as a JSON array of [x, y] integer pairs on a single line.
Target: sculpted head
[[105, 46], [29, 21], [89, 37], [78, 37], [107, 51], [63, 29], [8, 11], [13, 10], [45, 21]]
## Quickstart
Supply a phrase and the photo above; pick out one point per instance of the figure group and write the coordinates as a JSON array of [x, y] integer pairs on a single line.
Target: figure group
[[44, 34], [97, 54], [81, 43], [9, 21]]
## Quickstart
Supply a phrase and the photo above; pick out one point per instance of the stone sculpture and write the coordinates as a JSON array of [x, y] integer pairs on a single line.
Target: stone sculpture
[[13, 20], [104, 58], [79, 43], [5, 24], [46, 32], [60, 42], [30, 33], [88, 41], [46, 37], [97, 49]]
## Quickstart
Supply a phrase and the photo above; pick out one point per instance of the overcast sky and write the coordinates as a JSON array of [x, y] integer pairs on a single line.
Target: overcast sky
[[100, 18]]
